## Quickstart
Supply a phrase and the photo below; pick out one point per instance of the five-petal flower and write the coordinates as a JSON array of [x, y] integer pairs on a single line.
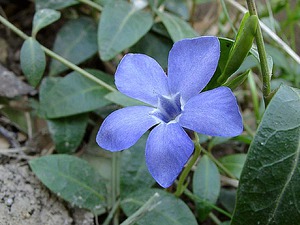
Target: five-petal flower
[[175, 105]]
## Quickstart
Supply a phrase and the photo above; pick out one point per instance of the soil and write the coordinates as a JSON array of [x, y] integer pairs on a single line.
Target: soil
[[24, 200]]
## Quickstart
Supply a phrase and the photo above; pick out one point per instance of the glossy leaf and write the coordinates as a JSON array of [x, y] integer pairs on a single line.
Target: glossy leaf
[[121, 25], [134, 173], [33, 61], [169, 211], [54, 4], [74, 94], [269, 186], [72, 179], [43, 18], [177, 28], [234, 163], [67, 133], [206, 185], [76, 41]]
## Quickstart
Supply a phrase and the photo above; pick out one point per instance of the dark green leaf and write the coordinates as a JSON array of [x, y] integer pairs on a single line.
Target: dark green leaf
[[33, 61], [134, 173], [234, 163], [227, 199], [72, 179], [122, 100], [155, 46], [54, 4], [177, 27], [120, 27], [67, 132], [76, 41], [269, 191], [206, 185], [170, 210], [43, 18], [74, 94]]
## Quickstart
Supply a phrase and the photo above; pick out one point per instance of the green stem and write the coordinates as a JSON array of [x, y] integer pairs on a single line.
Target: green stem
[[227, 16], [220, 165], [187, 169], [266, 74], [214, 218], [115, 184], [147, 207], [92, 4], [58, 57], [190, 195], [111, 213]]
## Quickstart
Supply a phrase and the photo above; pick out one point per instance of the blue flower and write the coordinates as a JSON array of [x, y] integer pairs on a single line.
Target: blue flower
[[175, 105]]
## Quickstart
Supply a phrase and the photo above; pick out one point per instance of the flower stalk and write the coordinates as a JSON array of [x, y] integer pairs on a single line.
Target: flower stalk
[[266, 74], [181, 186]]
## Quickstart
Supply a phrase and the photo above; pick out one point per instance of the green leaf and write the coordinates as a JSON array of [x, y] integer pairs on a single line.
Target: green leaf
[[177, 28], [122, 100], [72, 179], [234, 163], [121, 26], [76, 41], [74, 94], [134, 173], [67, 133], [155, 46], [241, 47], [170, 210], [43, 18], [269, 191], [54, 4], [33, 61], [206, 185]]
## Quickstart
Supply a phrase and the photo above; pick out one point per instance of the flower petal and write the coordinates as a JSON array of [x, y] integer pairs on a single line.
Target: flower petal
[[192, 63], [168, 148], [214, 113], [122, 128], [141, 77]]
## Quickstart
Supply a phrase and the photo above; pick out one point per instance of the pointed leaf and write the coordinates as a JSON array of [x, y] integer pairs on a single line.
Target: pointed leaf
[[121, 26], [269, 188], [76, 41], [169, 211], [33, 61], [177, 27], [74, 94], [43, 18], [72, 179], [206, 185], [121, 99], [67, 132]]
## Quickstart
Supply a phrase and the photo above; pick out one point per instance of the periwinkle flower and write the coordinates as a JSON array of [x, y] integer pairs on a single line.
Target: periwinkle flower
[[175, 105]]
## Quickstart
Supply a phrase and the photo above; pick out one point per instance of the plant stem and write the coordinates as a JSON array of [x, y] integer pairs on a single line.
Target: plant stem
[[57, 57], [214, 218], [266, 74], [92, 4], [115, 184], [192, 196], [111, 213], [220, 165], [147, 207], [187, 169]]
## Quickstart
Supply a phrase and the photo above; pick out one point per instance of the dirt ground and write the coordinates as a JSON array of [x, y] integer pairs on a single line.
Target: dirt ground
[[25, 201]]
